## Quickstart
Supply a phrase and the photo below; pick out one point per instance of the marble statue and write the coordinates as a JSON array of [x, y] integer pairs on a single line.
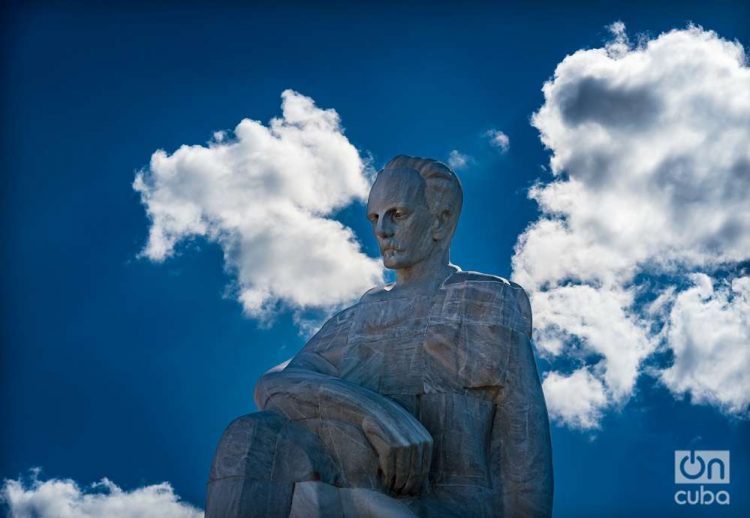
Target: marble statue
[[423, 399]]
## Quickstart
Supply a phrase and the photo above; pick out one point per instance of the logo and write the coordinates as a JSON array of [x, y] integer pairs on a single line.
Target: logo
[[701, 467]]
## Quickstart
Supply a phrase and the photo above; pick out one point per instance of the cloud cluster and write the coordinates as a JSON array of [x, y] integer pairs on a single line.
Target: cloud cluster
[[457, 160], [651, 168], [577, 399], [266, 195], [498, 139], [709, 334], [63, 498]]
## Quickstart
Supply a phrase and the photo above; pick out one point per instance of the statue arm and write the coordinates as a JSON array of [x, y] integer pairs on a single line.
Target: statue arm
[[403, 445], [300, 393], [521, 449]]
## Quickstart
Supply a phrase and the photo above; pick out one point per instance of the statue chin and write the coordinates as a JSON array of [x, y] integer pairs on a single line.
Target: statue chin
[[402, 259], [392, 263]]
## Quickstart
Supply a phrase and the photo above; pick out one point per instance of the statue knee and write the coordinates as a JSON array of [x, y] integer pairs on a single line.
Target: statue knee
[[258, 460]]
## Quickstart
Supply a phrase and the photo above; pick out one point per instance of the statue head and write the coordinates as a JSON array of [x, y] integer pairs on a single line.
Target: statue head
[[414, 206]]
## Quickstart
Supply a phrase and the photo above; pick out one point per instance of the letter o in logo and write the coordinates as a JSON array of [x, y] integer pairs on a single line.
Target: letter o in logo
[[692, 457]]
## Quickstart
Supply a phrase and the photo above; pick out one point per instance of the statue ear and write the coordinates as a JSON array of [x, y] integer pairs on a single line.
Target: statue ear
[[442, 225]]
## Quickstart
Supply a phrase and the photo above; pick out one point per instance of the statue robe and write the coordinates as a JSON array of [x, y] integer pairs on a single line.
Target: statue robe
[[459, 360]]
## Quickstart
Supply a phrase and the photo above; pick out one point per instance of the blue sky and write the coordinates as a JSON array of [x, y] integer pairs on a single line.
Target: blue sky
[[113, 365]]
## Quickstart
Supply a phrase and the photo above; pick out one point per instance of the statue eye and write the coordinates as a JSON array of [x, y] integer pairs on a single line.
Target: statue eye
[[399, 214], [373, 218]]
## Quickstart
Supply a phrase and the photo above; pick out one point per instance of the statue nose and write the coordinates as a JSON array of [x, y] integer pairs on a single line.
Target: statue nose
[[383, 229]]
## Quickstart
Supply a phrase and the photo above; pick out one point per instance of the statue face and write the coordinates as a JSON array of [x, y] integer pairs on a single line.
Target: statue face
[[401, 218]]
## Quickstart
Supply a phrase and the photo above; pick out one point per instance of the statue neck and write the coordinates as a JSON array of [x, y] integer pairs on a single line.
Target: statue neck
[[427, 274]]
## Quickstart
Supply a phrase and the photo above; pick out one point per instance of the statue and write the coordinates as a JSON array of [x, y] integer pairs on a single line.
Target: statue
[[422, 399]]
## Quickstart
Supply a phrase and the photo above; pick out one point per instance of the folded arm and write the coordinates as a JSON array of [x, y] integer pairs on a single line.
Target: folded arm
[[403, 445]]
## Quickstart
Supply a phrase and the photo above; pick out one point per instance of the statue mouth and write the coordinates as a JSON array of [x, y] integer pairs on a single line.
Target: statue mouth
[[389, 251]]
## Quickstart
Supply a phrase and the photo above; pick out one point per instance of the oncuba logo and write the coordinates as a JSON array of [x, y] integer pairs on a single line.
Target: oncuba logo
[[701, 467]]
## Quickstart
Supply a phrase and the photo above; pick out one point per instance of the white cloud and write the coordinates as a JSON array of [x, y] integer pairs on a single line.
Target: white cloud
[[457, 160], [709, 333], [652, 177], [597, 318], [64, 498], [498, 139], [577, 399], [266, 196]]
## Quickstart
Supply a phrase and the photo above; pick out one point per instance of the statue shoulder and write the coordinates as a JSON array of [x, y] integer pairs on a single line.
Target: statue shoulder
[[339, 323], [323, 351], [375, 293], [492, 297]]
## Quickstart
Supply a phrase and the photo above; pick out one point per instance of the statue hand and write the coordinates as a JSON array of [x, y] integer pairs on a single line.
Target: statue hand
[[404, 449]]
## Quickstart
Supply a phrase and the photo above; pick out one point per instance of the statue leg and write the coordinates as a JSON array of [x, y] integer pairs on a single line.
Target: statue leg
[[258, 460]]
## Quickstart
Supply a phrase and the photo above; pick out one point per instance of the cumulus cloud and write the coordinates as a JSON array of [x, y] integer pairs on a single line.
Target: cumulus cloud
[[64, 498], [266, 195], [457, 160], [498, 139], [576, 399], [709, 333], [651, 180]]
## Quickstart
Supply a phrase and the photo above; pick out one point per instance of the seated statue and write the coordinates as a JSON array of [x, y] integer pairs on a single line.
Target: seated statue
[[422, 399]]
